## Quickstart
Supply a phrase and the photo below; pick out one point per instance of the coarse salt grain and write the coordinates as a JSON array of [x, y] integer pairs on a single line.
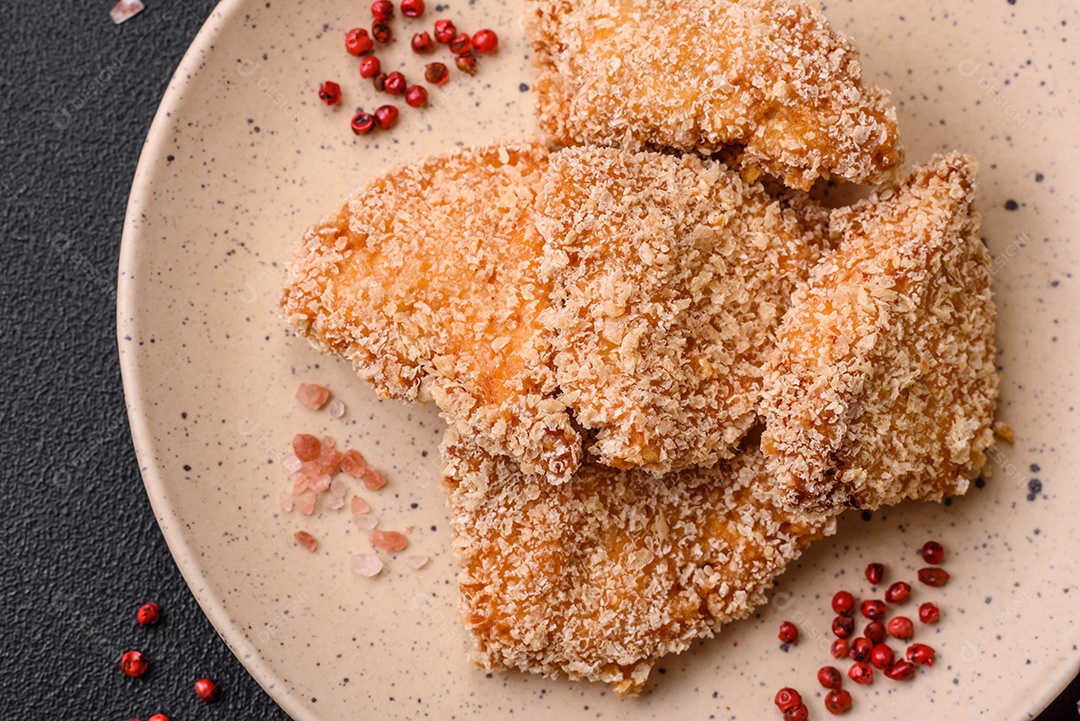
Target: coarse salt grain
[[335, 503], [337, 488], [416, 562], [285, 500], [373, 480], [328, 441], [336, 408], [389, 540], [312, 396], [365, 521], [353, 464], [359, 505], [125, 10], [291, 463], [307, 504], [300, 484], [306, 446], [306, 540], [319, 483], [366, 564]]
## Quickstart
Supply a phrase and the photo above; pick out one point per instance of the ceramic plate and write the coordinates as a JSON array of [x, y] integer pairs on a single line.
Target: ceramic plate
[[242, 156]]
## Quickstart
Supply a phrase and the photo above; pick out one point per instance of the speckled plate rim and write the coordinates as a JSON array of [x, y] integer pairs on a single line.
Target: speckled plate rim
[[150, 160], [128, 322]]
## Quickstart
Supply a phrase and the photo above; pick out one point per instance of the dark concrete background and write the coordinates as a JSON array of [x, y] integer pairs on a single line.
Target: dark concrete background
[[79, 548]]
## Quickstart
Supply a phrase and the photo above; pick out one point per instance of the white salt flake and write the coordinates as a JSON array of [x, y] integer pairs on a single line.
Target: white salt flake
[[366, 564], [336, 408], [416, 562], [337, 489], [365, 521], [285, 499], [335, 503], [125, 10], [291, 463]]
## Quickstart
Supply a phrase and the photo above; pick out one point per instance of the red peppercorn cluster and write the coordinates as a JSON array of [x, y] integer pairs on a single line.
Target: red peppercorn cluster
[[361, 43], [134, 664], [871, 650]]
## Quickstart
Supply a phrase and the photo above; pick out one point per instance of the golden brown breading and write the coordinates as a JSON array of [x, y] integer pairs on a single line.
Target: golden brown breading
[[882, 385], [770, 76], [600, 576], [427, 280], [670, 276]]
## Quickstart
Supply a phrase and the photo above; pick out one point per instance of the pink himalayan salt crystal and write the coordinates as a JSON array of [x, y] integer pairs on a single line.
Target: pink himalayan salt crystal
[[353, 464], [373, 480], [307, 504], [416, 562], [336, 408], [335, 503], [366, 564], [124, 10], [312, 396], [365, 521], [330, 460], [359, 505], [337, 489], [328, 442], [306, 540], [291, 463], [389, 540], [300, 484], [319, 483], [306, 446], [285, 500]]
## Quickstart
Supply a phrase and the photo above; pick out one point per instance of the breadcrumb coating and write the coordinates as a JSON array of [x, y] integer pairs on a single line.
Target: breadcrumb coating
[[427, 279], [882, 386], [670, 276], [600, 576], [769, 76]]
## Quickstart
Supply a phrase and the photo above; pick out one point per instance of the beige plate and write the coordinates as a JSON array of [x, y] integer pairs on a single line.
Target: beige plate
[[242, 156]]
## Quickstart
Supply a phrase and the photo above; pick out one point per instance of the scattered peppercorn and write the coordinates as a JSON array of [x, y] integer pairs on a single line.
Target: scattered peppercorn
[[898, 592], [901, 671], [386, 116], [379, 81], [787, 698], [838, 701], [901, 627], [412, 8], [148, 614], [861, 673], [370, 67], [929, 612], [416, 96], [382, 10], [485, 41], [860, 649], [843, 603], [789, 633], [466, 63], [829, 677], [158, 717], [330, 93], [444, 31], [797, 713], [395, 83], [133, 664], [875, 631], [839, 648], [206, 690], [381, 32], [362, 123], [882, 657], [873, 609], [460, 44], [935, 577], [357, 42], [933, 553], [920, 654], [874, 573], [436, 73], [843, 626], [422, 44]]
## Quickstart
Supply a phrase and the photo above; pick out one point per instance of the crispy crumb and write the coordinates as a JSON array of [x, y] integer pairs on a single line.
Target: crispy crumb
[[600, 576], [882, 386], [670, 276], [768, 76]]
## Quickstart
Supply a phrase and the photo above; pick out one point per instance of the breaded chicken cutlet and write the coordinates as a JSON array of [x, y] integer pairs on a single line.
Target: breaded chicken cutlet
[[883, 384], [768, 76], [670, 275], [601, 576], [427, 279]]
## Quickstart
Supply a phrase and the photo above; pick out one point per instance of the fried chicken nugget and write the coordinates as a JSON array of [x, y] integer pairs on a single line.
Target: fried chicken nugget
[[770, 76], [670, 276], [600, 576], [427, 279], [882, 385]]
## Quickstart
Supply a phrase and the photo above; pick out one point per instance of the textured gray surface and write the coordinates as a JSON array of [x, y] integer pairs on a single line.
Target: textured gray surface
[[79, 544]]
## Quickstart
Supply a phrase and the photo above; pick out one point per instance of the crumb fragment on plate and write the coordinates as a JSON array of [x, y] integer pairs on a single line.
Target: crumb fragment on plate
[[883, 383]]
